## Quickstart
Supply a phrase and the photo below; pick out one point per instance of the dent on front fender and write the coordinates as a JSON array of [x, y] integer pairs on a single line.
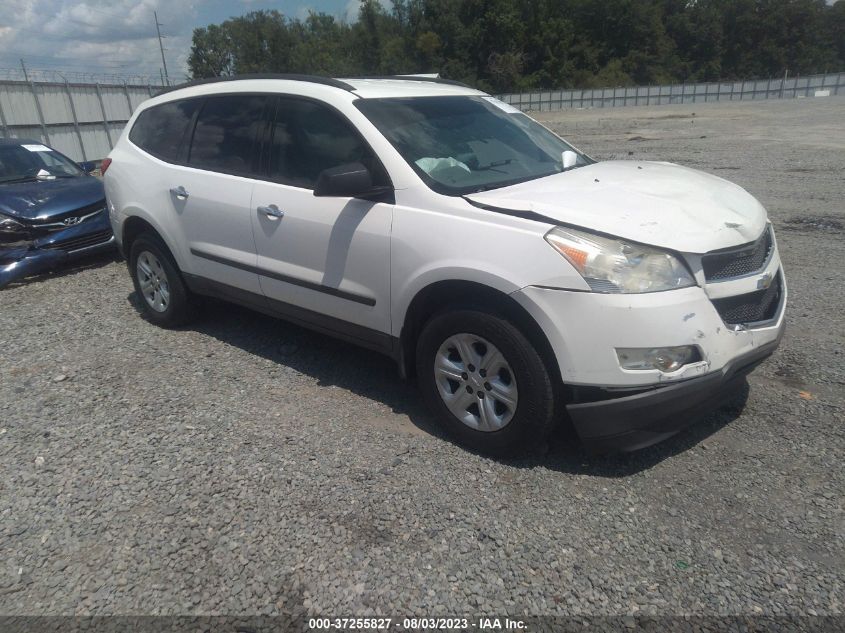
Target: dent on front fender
[[17, 264]]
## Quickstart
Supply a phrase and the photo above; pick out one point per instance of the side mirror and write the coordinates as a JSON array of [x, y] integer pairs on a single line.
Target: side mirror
[[347, 181], [570, 159], [88, 166]]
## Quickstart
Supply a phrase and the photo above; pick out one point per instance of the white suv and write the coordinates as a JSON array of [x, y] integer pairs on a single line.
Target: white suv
[[520, 281]]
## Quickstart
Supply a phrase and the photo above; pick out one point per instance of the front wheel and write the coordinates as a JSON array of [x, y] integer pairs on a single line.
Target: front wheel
[[485, 381]]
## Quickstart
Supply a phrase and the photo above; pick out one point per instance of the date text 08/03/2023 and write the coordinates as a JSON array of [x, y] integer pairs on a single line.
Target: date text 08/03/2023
[[417, 624]]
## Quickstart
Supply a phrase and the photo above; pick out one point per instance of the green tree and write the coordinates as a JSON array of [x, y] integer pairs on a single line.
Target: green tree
[[211, 52], [511, 45]]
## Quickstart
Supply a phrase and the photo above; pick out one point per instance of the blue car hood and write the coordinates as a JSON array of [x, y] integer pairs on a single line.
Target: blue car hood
[[45, 199]]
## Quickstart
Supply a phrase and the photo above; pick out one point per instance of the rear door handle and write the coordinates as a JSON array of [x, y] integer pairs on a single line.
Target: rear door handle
[[271, 211], [179, 192]]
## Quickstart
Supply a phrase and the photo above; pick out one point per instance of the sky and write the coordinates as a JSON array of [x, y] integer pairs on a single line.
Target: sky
[[119, 36]]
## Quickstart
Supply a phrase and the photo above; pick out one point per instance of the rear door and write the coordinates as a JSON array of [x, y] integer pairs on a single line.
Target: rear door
[[212, 191], [327, 255]]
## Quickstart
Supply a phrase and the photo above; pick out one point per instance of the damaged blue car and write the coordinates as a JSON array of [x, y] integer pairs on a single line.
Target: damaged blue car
[[52, 210]]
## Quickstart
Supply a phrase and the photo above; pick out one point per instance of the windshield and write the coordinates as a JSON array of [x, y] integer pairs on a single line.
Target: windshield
[[33, 161], [461, 145]]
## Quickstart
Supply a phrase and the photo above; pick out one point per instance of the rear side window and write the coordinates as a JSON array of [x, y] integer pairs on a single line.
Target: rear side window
[[309, 137], [159, 130], [226, 132]]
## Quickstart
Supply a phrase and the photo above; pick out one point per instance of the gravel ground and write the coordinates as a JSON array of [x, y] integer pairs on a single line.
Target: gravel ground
[[246, 466]]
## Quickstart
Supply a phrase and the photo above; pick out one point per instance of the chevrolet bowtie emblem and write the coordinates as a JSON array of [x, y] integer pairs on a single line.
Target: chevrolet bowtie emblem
[[764, 282]]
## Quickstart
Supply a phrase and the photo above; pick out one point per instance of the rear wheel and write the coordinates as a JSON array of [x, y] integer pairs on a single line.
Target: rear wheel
[[165, 300], [485, 381]]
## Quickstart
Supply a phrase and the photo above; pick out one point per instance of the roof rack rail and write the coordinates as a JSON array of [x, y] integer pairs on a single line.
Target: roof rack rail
[[314, 79], [435, 80]]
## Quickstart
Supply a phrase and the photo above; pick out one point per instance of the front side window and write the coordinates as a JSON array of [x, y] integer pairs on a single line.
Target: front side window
[[309, 137], [226, 132], [160, 130], [464, 144], [34, 161]]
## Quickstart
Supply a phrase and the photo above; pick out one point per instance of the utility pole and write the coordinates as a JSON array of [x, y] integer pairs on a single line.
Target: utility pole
[[23, 67], [161, 47]]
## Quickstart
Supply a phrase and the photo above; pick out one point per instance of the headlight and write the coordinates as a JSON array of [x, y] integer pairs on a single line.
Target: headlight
[[8, 225], [614, 265]]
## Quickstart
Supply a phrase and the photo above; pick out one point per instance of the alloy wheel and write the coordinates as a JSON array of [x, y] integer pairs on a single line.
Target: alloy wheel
[[153, 282], [476, 382]]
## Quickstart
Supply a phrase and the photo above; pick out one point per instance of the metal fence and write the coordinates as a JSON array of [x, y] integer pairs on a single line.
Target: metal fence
[[780, 88], [80, 120], [84, 120]]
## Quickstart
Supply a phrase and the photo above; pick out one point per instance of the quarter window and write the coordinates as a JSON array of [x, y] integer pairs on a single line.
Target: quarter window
[[159, 130], [226, 132], [309, 137]]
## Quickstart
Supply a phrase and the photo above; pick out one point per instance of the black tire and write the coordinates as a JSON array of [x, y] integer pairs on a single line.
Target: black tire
[[180, 307], [535, 410]]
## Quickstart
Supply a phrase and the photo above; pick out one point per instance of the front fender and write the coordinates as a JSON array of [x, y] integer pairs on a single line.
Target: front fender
[[444, 271]]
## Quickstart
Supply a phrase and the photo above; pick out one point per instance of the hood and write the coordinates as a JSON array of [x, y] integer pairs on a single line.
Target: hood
[[45, 199], [660, 204]]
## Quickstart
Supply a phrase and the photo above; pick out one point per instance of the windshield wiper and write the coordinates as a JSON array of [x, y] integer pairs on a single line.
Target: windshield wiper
[[495, 163], [18, 179], [490, 187], [509, 183]]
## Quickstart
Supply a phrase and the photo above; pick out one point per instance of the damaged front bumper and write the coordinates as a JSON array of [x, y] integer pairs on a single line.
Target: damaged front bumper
[[622, 423], [21, 258], [614, 408]]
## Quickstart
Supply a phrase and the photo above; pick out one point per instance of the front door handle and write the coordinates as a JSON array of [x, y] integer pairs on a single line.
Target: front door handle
[[179, 192], [271, 211]]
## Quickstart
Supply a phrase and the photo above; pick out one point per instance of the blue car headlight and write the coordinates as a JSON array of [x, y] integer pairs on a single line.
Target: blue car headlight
[[10, 225]]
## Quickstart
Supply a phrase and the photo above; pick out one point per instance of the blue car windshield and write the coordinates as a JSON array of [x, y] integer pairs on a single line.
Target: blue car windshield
[[33, 161], [465, 144]]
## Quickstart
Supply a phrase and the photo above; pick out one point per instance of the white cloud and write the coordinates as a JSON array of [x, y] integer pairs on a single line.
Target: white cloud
[[119, 37], [114, 38], [353, 8], [303, 11]]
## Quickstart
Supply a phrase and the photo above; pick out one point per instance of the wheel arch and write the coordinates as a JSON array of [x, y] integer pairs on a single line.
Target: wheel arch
[[135, 225], [444, 294]]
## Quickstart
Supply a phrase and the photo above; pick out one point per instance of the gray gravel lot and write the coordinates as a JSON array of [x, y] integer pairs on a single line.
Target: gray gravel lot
[[246, 466]]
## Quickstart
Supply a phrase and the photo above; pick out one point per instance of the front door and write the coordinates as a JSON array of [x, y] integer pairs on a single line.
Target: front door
[[327, 257], [212, 193]]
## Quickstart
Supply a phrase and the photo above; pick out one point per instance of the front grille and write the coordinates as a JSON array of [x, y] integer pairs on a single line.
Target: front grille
[[84, 241], [753, 307], [737, 262], [55, 222]]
